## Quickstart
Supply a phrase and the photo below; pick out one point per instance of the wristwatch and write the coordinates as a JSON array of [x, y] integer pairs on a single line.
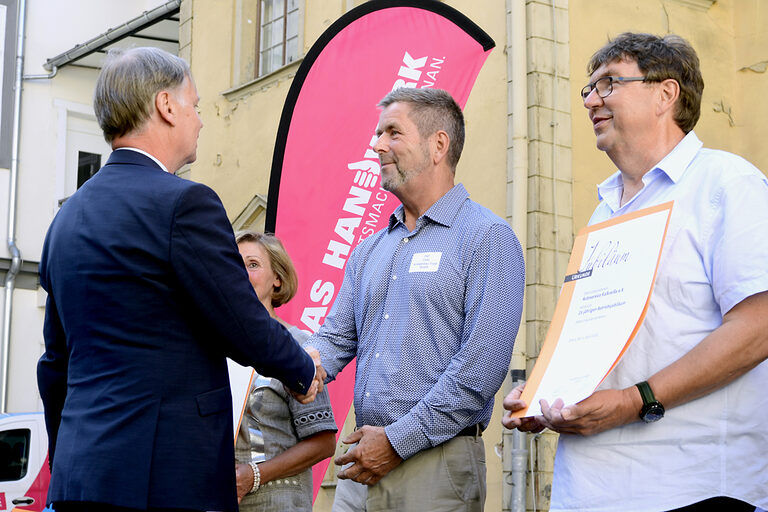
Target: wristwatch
[[652, 409]]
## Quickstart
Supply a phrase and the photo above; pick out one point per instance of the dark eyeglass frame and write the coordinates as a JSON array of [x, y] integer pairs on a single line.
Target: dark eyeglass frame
[[587, 89]]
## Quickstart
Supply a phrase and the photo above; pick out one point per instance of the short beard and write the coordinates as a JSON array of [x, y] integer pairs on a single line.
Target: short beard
[[393, 182]]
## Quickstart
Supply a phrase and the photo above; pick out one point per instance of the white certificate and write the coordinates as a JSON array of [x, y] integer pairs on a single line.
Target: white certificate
[[240, 378], [602, 304]]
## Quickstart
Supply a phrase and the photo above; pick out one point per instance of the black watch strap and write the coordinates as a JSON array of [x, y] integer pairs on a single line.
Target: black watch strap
[[652, 409], [646, 392]]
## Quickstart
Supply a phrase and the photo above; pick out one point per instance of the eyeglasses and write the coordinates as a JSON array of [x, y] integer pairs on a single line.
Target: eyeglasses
[[604, 85]]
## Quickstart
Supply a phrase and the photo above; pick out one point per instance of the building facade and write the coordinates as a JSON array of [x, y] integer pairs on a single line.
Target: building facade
[[530, 152], [529, 156], [59, 146]]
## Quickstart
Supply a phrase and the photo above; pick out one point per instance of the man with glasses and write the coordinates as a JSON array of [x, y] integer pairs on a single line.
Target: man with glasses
[[702, 349]]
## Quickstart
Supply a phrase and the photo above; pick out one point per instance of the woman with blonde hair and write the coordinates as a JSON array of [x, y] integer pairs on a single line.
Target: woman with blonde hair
[[279, 439]]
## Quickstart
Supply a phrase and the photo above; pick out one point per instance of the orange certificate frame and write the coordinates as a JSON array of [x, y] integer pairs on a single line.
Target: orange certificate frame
[[607, 289]]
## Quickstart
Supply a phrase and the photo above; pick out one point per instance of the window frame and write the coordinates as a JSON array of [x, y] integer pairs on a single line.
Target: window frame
[[284, 38], [66, 176], [245, 45]]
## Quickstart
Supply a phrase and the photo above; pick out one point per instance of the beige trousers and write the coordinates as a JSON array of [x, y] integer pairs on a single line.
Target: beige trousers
[[447, 478]]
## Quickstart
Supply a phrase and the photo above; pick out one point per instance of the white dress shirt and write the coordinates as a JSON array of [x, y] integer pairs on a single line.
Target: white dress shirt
[[715, 255]]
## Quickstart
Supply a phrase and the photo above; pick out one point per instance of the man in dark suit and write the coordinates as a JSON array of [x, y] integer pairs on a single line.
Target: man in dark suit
[[147, 296]]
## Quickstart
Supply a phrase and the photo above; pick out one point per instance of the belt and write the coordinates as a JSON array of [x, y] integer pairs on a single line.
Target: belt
[[473, 430]]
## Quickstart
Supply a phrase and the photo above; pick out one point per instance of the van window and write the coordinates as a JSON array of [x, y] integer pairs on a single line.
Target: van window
[[14, 454]]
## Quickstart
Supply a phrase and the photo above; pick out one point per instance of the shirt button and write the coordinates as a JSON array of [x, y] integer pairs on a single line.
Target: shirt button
[[405, 240], [386, 316], [377, 355], [367, 394], [394, 278]]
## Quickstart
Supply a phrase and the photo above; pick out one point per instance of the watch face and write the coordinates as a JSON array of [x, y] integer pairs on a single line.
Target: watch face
[[652, 412]]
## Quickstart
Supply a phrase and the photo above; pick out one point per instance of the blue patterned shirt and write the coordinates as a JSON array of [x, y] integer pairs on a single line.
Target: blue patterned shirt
[[431, 315]]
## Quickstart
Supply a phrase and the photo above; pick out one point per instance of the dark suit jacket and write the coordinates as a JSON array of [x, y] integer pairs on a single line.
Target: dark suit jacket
[[147, 295]]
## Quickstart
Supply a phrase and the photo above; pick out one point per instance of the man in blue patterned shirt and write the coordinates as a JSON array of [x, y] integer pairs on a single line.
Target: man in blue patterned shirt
[[430, 306]]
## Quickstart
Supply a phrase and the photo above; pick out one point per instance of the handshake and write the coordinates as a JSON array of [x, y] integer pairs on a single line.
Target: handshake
[[317, 383]]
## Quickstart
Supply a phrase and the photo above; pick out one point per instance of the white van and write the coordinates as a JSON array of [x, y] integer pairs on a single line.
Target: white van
[[24, 472]]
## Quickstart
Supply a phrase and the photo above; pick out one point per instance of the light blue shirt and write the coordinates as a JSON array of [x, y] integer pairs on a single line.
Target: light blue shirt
[[431, 315], [715, 255]]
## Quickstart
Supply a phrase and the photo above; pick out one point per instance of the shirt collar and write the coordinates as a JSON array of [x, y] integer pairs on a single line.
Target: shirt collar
[[158, 162], [673, 165], [677, 160], [444, 211]]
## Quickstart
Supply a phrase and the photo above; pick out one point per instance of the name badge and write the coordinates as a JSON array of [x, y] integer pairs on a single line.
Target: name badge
[[425, 262]]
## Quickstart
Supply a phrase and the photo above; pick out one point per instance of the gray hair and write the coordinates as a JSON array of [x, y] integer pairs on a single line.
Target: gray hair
[[433, 110], [128, 84]]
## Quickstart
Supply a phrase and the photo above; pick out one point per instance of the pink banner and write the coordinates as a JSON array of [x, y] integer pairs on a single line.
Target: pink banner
[[324, 194]]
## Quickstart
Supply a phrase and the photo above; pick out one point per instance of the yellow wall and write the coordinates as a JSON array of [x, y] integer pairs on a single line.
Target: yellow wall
[[235, 149], [240, 125], [728, 36]]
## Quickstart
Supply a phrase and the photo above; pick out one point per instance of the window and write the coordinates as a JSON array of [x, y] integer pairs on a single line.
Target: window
[[267, 37], [87, 165], [80, 148], [14, 454], [278, 42]]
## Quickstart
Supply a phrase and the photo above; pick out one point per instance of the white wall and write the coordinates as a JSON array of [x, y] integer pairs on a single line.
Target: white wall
[[53, 27], [48, 108], [26, 348]]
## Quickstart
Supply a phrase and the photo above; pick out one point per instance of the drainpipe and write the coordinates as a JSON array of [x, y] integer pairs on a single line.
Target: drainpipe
[[517, 145], [514, 460], [518, 459], [48, 76], [13, 271]]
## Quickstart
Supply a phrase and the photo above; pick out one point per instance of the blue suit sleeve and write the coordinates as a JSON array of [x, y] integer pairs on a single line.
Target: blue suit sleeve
[[52, 374], [210, 271]]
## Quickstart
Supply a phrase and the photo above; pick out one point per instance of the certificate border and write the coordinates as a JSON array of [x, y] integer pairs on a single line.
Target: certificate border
[[566, 295]]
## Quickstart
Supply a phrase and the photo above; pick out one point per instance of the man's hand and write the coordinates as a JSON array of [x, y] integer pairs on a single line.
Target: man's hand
[[372, 458], [317, 383], [320, 373], [307, 397], [512, 403], [601, 411], [244, 476]]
